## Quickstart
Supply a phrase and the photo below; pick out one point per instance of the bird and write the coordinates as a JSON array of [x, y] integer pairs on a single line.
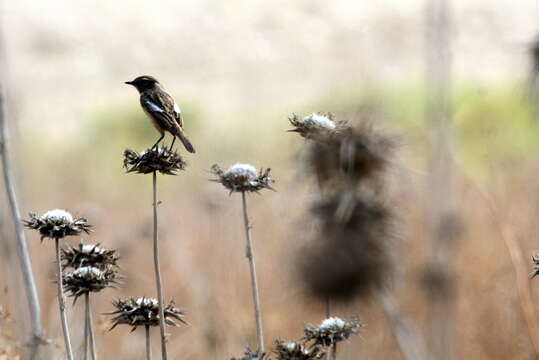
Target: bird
[[161, 109]]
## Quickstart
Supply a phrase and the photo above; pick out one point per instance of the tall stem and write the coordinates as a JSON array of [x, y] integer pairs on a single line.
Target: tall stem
[[22, 248], [334, 357], [90, 326], [148, 344], [254, 284], [86, 335], [164, 355], [61, 302]]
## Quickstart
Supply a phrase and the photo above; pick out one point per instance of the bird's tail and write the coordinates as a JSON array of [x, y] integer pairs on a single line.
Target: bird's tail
[[185, 141]]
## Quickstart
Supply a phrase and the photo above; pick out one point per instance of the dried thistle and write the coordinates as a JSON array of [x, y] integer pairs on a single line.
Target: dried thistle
[[57, 224], [315, 125], [88, 279], [243, 178], [155, 159], [350, 155], [250, 355], [88, 255], [331, 331], [350, 257], [296, 351], [144, 312]]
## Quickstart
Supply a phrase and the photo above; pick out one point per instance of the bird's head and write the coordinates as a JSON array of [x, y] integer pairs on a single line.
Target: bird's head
[[144, 82]]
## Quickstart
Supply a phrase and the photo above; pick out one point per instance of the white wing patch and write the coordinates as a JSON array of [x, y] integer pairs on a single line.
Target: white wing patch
[[177, 108], [153, 107]]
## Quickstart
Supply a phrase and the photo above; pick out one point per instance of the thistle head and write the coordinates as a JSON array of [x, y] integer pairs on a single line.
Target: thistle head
[[295, 351], [57, 224], [144, 312], [88, 279], [315, 125], [331, 331], [243, 178], [88, 255], [155, 159]]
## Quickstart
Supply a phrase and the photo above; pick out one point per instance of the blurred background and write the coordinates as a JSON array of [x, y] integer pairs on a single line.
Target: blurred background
[[239, 69]]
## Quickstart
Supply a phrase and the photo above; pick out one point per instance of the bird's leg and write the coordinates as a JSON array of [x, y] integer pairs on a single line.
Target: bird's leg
[[171, 145], [158, 141]]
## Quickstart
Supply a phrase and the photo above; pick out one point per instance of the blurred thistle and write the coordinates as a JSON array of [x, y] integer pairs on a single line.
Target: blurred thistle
[[350, 257], [296, 351], [243, 177], [535, 260], [88, 255], [331, 331], [155, 159], [250, 355], [57, 224], [315, 124], [144, 312], [88, 279], [350, 156]]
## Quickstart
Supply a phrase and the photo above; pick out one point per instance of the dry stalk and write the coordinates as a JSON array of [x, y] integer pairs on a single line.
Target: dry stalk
[[61, 302], [254, 284], [22, 248], [158, 284]]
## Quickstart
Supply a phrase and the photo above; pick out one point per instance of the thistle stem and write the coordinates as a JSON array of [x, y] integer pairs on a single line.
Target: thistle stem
[[61, 302], [148, 343], [334, 357], [86, 335], [164, 354], [90, 326], [254, 284]]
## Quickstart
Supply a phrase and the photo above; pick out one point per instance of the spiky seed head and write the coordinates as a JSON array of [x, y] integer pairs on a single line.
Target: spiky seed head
[[88, 279], [57, 224], [88, 255], [144, 311], [296, 351], [252, 355], [331, 331], [155, 159], [242, 177]]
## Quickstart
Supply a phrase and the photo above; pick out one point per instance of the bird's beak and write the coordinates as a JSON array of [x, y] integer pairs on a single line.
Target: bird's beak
[[129, 83]]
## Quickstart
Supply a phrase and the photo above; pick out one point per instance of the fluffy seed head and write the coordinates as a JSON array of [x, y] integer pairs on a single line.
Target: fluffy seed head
[[331, 331], [58, 215], [242, 177], [144, 311], [150, 160], [314, 125], [57, 224]]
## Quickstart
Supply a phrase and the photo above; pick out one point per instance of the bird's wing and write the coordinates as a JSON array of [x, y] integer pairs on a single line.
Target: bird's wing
[[161, 107]]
